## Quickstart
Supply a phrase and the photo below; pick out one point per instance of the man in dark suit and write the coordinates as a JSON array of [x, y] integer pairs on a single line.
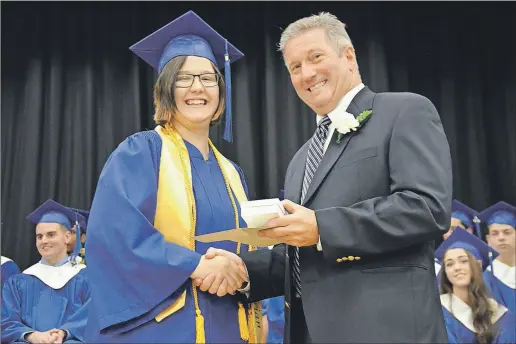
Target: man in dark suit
[[367, 195]]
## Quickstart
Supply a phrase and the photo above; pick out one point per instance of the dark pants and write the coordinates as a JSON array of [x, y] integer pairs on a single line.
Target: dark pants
[[298, 329]]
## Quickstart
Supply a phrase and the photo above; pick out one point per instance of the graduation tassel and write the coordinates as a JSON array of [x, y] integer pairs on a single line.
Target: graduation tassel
[[200, 337], [478, 231], [228, 132], [78, 245], [242, 322]]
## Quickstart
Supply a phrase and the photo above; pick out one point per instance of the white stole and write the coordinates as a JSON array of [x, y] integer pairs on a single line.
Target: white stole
[[56, 277], [463, 313], [4, 260], [505, 273]]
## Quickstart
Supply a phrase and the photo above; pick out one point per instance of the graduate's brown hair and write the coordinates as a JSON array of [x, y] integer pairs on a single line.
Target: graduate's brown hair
[[164, 102], [477, 299]]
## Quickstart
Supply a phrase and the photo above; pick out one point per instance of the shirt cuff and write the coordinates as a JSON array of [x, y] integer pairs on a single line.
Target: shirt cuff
[[319, 246], [247, 289]]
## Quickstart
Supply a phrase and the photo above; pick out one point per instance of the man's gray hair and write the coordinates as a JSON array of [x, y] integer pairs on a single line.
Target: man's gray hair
[[335, 30]]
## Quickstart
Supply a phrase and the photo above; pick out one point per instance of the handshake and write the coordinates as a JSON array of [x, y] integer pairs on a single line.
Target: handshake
[[220, 272]]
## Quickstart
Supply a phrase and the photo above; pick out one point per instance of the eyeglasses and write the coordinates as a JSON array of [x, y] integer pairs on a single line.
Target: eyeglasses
[[207, 80]]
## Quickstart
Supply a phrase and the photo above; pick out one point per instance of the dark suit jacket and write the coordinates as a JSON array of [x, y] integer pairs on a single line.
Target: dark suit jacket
[[380, 197]]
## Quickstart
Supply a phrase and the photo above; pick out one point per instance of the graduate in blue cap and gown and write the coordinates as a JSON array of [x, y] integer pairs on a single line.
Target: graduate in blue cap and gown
[[82, 227], [46, 303], [501, 276], [9, 268], [470, 314], [464, 217], [157, 191]]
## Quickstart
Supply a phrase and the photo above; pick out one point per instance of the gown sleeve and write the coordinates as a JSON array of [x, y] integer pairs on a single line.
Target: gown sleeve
[[9, 269], [76, 324], [12, 325], [131, 268], [506, 329]]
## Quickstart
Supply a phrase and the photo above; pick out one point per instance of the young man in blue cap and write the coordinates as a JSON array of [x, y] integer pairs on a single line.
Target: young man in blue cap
[[157, 191], [500, 219], [471, 315], [464, 217], [46, 303], [81, 236]]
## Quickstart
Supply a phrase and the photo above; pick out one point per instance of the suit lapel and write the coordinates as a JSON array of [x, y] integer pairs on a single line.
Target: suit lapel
[[362, 101]]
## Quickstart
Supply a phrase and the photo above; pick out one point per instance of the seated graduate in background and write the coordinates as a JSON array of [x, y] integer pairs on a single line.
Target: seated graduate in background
[[159, 189], [464, 217], [82, 235], [471, 316], [501, 276], [274, 317], [46, 303], [9, 268]]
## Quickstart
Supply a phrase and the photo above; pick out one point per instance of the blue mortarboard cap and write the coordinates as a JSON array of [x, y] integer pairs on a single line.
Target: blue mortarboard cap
[[189, 35], [502, 213], [461, 238], [466, 215], [83, 223]]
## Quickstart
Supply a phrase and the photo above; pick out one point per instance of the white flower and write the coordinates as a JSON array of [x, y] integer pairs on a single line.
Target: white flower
[[345, 123]]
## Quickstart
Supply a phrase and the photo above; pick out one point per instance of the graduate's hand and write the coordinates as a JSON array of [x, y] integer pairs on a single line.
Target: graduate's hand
[[208, 284], [40, 337], [299, 228], [222, 275], [57, 335]]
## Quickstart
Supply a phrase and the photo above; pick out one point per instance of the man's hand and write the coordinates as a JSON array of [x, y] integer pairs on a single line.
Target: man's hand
[[218, 275], [297, 229], [48, 337]]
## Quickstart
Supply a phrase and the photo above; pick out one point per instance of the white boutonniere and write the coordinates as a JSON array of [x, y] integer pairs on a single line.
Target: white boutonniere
[[348, 123]]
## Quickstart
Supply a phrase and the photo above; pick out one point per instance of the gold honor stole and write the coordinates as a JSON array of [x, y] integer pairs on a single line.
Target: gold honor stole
[[176, 218]]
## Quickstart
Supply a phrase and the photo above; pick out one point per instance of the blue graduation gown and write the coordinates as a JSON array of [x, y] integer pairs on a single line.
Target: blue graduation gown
[[275, 310], [501, 292], [135, 274], [460, 334], [30, 305], [9, 269]]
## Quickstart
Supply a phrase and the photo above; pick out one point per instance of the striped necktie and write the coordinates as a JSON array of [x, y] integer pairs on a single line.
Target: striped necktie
[[315, 155]]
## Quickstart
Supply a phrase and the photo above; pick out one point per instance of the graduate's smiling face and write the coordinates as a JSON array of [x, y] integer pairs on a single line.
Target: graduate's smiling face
[[320, 75], [502, 238], [198, 103], [51, 241], [457, 267]]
